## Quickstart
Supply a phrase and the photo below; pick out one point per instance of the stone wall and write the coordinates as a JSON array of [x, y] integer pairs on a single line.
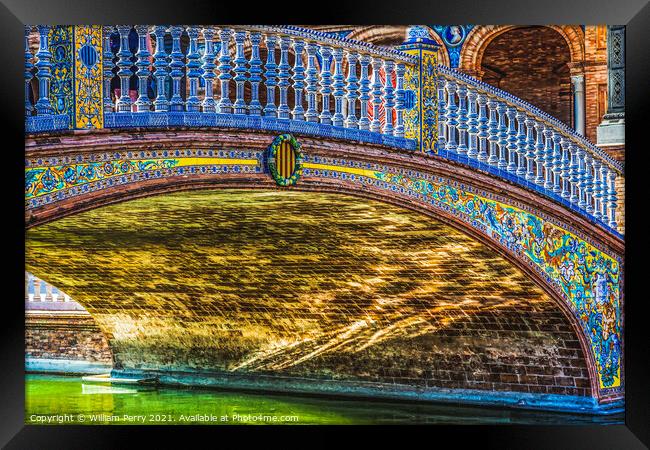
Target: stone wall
[[70, 336]]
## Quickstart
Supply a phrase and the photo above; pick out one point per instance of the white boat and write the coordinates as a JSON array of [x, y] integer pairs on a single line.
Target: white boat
[[106, 378]]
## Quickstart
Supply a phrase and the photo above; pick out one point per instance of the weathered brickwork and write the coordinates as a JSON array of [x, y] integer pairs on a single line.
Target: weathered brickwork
[[531, 63], [65, 336], [308, 285]]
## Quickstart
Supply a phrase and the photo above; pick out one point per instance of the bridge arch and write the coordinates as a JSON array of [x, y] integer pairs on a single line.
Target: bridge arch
[[406, 180]]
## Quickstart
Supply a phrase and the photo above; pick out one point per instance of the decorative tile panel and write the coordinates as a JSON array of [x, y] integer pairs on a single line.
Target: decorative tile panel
[[61, 84], [89, 98]]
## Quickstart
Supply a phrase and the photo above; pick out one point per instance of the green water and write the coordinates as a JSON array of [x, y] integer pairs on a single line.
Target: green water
[[67, 400]]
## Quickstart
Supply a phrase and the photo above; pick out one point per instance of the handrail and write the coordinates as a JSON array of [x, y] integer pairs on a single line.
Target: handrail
[[547, 118]]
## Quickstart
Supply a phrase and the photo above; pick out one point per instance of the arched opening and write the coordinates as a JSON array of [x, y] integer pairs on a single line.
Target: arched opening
[[392, 36], [60, 335], [531, 63], [304, 284]]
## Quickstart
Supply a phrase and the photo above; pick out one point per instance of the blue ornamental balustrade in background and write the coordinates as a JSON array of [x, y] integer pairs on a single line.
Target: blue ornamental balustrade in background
[[311, 83]]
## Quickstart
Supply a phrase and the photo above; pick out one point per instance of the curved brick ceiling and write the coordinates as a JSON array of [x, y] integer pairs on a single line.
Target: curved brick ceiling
[[307, 284]]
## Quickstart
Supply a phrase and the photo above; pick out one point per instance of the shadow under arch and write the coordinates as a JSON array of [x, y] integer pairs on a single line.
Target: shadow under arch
[[148, 189]]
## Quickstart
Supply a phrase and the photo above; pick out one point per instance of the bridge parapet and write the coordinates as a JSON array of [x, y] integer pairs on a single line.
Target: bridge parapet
[[492, 130], [284, 78]]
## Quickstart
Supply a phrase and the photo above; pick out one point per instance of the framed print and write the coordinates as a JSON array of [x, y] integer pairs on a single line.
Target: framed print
[[311, 224]]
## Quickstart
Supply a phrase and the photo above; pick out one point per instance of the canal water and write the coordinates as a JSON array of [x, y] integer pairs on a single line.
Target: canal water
[[56, 400]]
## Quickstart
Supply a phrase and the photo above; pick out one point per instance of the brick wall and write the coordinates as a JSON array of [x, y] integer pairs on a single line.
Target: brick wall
[[532, 63], [65, 336]]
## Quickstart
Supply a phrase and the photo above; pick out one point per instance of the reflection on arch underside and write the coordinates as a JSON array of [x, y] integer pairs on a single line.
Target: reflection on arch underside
[[329, 287]]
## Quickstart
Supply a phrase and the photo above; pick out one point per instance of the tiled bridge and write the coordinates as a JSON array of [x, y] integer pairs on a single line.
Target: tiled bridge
[[330, 115]]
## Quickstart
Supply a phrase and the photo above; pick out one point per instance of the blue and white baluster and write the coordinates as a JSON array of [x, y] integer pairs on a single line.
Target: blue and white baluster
[[352, 89], [548, 159], [377, 86], [225, 105], [339, 87], [270, 76], [472, 152], [124, 72], [503, 136], [326, 84], [364, 92], [558, 152], [283, 77], [530, 149], [142, 104], [442, 113], [298, 112], [255, 74], [482, 127], [311, 115], [604, 196], [176, 66], [208, 105], [400, 70], [493, 137], [44, 66], [580, 177], [573, 173], [452, 116], [108, 65], [611, 176], [160, 103], [29, 66], [521, 143], [512, 139], [598, 215], [239, 107], [566, 167], [389, 97], [588, 183], [462, 120], [539, 154]]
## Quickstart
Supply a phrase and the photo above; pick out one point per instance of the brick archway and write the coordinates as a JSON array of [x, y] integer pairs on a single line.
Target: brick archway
[[480, 37]]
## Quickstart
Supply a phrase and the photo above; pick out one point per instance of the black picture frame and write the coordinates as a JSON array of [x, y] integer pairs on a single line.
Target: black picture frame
[[635, 14]]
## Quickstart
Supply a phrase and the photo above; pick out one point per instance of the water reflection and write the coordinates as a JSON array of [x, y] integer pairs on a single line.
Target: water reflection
[[48, 395]]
